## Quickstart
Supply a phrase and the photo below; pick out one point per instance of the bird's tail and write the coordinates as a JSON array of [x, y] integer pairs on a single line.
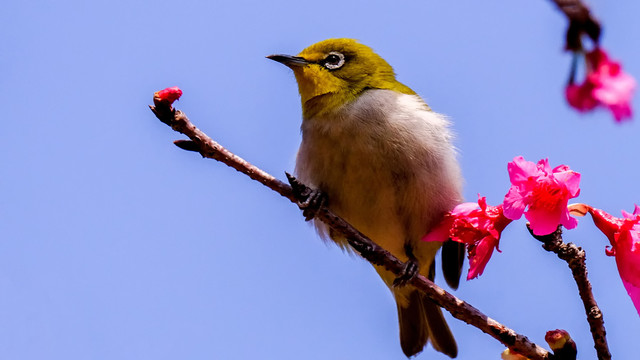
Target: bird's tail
[[421, 320]]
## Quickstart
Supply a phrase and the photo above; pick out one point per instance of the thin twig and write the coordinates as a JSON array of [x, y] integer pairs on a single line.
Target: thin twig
[[581, 21], [367, 249], [576, 259]]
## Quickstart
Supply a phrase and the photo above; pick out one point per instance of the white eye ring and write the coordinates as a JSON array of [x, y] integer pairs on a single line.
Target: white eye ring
[[333, 61]]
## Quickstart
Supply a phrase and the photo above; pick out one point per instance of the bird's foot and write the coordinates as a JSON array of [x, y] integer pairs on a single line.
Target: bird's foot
[[410, 270], [309, 200]]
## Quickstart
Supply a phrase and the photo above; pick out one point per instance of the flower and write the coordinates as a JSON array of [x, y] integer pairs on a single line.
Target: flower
[[544, 191], [624, 236], [168, 95], [605, 84], [477, 225]]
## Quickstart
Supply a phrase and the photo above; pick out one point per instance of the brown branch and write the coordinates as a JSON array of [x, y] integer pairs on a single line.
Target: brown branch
[[576, 259], [364, 246], [581, 21]]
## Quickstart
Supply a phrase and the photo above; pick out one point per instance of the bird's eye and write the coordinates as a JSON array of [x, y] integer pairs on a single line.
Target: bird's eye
[[333, 61]]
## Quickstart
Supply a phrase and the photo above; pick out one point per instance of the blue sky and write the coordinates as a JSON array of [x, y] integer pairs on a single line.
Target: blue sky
[[115, 244]]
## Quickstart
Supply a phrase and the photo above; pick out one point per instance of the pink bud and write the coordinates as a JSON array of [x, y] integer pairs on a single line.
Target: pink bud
[[168, 95]]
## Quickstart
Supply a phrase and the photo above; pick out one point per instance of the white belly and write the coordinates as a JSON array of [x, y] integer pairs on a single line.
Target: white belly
[[388, 167]]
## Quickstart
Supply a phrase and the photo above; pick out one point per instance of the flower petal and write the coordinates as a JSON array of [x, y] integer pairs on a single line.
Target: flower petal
[[543, 221], [479, 256], [520, 170], [580, 97], [464, 208], [634, 293], [567, 221], [571, 181], [441, 231], [514, 204], [168, 95], [624, 235]]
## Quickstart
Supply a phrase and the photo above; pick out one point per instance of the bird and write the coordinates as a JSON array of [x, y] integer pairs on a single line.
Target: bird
[[387, 165]]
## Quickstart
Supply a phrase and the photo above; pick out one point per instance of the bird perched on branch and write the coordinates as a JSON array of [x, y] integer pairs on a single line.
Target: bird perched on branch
[[387, 165]]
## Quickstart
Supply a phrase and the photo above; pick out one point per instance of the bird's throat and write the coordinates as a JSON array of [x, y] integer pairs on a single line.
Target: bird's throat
[[326, 104]]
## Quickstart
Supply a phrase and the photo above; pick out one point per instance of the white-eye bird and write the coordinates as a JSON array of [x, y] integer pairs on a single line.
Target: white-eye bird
[[386, 162]]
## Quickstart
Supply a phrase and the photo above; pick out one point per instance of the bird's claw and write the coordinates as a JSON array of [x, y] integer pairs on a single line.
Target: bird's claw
[[314, 202], [310, 201], [410, 270]]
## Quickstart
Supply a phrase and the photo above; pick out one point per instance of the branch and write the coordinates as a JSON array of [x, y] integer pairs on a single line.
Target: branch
[[365, 247], [576, 259], [581, 21]]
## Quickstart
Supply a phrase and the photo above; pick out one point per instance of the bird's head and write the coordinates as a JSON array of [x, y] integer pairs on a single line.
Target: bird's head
[[334, 72]]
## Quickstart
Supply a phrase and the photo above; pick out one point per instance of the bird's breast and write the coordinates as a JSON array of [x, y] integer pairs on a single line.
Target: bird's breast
[[386, 164]]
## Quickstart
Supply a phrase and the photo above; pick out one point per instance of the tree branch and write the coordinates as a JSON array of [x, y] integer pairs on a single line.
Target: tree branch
[[365, 247], [576, 259]]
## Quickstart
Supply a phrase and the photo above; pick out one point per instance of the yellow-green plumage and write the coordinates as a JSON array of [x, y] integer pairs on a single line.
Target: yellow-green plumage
[[363, 69], [386, 162]]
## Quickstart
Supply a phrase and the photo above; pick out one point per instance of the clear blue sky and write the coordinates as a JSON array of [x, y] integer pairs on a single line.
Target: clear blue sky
[[115, 244]]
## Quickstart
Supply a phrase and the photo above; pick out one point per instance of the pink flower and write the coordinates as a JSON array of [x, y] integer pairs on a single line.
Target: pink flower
[[580, 97], [544, 191], [168, 95], [624, 236], [605, 84], [477, 225]]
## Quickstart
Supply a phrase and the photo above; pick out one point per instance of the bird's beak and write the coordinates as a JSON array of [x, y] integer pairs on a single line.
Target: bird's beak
[[290, 61]]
